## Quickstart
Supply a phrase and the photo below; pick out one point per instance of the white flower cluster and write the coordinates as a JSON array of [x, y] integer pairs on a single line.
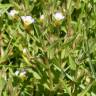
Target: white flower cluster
[[27, 20], [58, 16]]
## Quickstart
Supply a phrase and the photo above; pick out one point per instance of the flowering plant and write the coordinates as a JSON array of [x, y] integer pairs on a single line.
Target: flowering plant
[[47, 47]]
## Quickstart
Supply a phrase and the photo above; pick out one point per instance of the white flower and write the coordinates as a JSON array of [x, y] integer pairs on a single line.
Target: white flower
[[27, 20], [13, 13], [17, 73], [42, 17], [58, 16], [22, 73]]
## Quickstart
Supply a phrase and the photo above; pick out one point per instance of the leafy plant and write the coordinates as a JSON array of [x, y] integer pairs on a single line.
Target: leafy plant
[[47, 48]]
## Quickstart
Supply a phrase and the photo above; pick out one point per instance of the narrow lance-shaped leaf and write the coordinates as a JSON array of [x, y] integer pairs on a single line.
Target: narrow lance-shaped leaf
[[72, 64]]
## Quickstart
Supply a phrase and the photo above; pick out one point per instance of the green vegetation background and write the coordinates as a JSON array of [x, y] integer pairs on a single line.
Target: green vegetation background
[[59, 57]]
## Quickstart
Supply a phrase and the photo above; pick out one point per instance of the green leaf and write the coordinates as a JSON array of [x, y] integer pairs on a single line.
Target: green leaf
[[56, 67], [84, 92], [2, 84], [94, 1], [46, 86], [26, 60], [62, 53], [4, 8], [35, 74], [72, 63], [70, 77]]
